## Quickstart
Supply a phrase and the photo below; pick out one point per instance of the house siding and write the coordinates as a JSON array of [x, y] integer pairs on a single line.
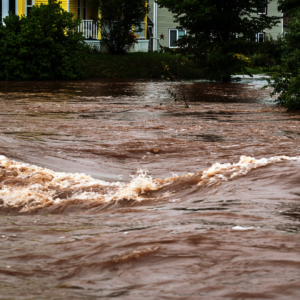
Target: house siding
[[73, 7], [165, 22], [273, 11], [64, 3]]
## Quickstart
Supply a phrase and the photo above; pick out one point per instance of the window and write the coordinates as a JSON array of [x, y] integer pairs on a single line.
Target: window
[[174, 35], [29, 4], [260, 37], [262, 8], [79, 8], [12, 6]]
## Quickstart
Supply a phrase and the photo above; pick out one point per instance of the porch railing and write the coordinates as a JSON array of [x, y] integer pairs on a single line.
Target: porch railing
[[89, 29]]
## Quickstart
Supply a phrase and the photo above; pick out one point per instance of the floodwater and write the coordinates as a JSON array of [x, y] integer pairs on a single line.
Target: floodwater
[[110, 189]]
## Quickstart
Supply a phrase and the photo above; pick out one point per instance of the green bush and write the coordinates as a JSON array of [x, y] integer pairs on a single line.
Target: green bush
[[44, 45], [219, 63], [286, 81], [271, 49], [261, 61]]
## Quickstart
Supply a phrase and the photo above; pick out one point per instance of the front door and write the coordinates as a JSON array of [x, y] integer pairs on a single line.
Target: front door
[[12, 6]]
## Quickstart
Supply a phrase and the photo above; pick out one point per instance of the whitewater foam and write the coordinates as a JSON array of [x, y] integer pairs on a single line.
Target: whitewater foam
[[25, 186], [227, 171]]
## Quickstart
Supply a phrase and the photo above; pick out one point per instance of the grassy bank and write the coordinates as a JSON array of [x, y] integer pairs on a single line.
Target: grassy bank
[[142, 66], [254, 71], [137, 65]]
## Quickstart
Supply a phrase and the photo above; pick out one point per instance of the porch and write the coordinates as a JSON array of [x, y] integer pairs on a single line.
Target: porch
[[89, 29], [92, 36]]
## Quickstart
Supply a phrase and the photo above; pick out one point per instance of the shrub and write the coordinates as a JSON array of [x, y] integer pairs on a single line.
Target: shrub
[[271, 49], [243, 58], [261, 61], [44, 45], [217, 65]]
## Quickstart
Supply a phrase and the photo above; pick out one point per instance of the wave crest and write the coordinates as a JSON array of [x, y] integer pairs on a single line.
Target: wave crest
[[27, 186]]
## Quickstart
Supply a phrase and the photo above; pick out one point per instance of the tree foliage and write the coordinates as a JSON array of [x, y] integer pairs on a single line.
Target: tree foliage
[[288, 6], [44, 45], [217, 30], [286, 81], [117, 21]]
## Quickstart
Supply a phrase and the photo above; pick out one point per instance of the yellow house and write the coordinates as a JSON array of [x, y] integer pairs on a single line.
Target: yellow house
[[80, 8]]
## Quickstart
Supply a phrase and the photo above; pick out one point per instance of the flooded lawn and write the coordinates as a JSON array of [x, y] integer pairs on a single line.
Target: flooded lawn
[[110, 189]]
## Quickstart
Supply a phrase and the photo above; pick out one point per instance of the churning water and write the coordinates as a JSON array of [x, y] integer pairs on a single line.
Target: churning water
[[109, 189]]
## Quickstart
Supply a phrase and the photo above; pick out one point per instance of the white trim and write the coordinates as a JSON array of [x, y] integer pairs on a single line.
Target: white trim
[[68, 5], [154, 38], [5, 8], [156, 35], [153, 31], [27, 5], [17, 8], [259, 33]]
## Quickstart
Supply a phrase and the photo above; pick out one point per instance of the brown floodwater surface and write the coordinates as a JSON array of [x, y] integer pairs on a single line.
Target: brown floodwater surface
[[110, 189]]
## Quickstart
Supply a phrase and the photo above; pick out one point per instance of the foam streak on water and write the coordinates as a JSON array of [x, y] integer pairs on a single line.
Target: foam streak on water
[[228, 171], [26, 186]]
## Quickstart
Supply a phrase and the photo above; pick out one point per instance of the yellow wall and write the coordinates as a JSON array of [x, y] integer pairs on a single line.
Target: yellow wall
[[21, 5], [64, 3], [73, 7]]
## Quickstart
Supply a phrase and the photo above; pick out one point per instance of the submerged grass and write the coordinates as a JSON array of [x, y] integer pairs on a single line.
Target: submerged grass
[[138, 65]]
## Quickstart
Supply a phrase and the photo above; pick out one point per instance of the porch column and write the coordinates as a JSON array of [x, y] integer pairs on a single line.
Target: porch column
[[68, 5], [146, 23], [154, 26]]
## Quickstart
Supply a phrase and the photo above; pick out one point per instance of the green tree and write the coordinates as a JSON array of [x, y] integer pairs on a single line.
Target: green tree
[[217, 30], [44, 45], [286, 81], [288, 6], [117, 20]]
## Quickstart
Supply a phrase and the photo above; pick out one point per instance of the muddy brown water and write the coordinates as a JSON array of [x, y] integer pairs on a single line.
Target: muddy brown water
[[175, 203]]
